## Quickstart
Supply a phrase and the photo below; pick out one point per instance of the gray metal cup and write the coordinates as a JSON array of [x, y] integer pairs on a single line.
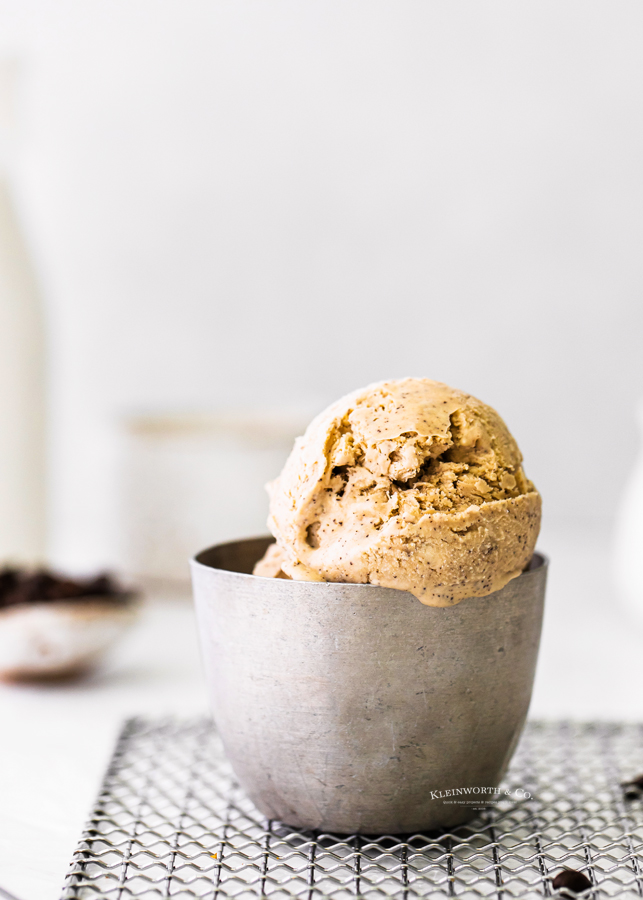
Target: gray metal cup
[[352, 708]]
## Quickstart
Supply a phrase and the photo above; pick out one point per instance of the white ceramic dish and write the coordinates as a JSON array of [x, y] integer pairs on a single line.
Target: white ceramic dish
[[62, 637]]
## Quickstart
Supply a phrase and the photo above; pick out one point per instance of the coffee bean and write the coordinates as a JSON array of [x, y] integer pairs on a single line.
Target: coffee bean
[[634, 783], [22, 587], [571, 879], [633, 788]]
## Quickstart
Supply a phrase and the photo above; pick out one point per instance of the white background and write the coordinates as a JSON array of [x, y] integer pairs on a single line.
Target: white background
[[264, 205]]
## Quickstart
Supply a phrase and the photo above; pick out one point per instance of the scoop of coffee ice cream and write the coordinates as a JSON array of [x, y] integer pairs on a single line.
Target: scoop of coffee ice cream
[[406, 484]]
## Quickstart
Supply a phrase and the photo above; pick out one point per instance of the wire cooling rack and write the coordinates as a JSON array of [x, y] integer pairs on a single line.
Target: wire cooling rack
[[171, 821]]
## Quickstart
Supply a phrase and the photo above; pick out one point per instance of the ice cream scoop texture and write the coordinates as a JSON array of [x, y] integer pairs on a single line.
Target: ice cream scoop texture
[[406, 484]]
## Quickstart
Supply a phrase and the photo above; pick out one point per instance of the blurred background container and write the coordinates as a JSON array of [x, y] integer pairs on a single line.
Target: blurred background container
[[194, 480], [22, 364]]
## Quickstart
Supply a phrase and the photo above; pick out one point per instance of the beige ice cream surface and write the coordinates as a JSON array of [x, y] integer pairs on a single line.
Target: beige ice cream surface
[[406, 484], [270, 564]]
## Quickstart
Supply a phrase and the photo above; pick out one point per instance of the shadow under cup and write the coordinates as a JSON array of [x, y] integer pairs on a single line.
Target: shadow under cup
[[353, 708]]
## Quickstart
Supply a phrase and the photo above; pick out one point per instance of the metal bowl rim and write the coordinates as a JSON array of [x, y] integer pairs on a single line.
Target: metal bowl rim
[[538, 561]]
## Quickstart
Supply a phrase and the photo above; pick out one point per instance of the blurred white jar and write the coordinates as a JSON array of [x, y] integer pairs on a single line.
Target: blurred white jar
[[194, 480], [628, 545], [22, 367]]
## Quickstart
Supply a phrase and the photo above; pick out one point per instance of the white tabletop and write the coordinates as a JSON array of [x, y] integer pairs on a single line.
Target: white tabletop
[[57, 739]]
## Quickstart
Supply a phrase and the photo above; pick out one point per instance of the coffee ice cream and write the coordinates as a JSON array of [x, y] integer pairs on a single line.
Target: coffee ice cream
[[406, 484]]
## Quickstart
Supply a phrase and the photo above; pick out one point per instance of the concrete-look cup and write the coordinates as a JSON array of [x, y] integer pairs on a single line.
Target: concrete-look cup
[[352, 708]]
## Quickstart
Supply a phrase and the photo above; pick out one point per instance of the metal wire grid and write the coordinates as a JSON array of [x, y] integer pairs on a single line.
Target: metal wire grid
[[171, 821]]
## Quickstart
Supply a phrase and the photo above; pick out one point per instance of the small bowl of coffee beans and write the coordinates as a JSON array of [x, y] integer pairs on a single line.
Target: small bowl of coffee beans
[[52, 626]]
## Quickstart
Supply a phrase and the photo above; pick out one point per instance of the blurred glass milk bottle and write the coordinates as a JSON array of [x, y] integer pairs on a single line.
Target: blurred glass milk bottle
[[22, 493], [628, 549]]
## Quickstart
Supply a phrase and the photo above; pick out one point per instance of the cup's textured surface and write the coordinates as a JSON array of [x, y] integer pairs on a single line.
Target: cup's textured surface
[[349, 707]]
